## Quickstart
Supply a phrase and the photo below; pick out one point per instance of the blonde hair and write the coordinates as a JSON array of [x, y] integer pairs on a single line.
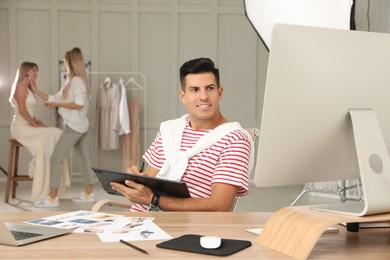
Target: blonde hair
[[21, 74], [75, 67]]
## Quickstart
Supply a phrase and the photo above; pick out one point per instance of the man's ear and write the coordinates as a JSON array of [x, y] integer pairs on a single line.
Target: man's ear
[[182, 96], [220, 92]]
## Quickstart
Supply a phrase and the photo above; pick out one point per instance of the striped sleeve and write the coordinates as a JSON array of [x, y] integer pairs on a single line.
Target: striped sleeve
[[154, 156], [233, 164]]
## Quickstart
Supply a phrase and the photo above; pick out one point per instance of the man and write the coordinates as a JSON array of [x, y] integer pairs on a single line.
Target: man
[[201, 149]]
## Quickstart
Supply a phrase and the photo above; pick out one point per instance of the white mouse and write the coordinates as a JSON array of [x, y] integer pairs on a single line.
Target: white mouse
[[210, 242]]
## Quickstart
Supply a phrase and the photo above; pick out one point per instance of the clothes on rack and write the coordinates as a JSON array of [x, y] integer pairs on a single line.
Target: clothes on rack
[[124, 119], [116, 118], [132, 143], [131, 151], [106, 117]]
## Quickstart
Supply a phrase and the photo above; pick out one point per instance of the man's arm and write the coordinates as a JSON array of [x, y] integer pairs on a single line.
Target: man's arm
[[222, 197]]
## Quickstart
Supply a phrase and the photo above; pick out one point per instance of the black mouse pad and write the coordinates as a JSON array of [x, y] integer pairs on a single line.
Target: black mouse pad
[[191, 243]]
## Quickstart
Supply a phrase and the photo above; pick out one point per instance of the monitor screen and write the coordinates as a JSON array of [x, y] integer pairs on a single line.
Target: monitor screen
[[315, 76]]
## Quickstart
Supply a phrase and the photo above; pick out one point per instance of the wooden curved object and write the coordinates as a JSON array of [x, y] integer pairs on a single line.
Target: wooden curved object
[[294, 231]]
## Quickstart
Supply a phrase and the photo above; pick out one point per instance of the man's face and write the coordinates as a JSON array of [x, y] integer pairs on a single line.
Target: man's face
[[201, 96]]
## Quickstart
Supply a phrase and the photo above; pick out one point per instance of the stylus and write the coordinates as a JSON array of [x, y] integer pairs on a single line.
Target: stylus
[[141, 169], [133, 246]]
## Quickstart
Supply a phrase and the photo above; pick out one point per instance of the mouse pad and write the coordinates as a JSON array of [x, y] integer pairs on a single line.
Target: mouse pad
[[191, 243]]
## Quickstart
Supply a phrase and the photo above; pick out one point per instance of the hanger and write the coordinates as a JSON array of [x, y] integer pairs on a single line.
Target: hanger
[[131, 80], [107, 81]]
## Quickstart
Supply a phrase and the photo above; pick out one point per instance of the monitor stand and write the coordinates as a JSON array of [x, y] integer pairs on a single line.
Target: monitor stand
[[374, 165], [295, 230]]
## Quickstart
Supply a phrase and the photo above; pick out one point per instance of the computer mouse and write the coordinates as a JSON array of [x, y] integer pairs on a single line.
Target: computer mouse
[[210, 242]]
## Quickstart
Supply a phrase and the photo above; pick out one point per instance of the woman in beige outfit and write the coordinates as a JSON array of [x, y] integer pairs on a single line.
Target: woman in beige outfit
[[38, 138]]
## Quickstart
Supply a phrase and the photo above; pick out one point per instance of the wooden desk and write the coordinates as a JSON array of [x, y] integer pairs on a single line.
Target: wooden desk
[[366, 244]]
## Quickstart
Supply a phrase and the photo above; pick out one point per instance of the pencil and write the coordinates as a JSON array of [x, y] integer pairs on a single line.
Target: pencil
[[133, 246]]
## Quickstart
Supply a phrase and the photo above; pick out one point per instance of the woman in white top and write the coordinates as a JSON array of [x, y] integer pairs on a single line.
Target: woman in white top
[[38, 138], [72, 102]]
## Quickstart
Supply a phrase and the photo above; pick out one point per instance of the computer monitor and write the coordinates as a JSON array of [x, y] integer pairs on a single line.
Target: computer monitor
[[317, 80]]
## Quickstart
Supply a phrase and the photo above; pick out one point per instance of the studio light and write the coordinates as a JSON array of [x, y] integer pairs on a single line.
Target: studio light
[[263, 14]]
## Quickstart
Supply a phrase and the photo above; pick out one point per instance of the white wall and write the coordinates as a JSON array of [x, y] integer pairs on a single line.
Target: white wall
[[372, 15], [150, 36]]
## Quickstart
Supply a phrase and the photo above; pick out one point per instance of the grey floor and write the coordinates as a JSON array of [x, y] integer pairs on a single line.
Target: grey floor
[[259, 199]]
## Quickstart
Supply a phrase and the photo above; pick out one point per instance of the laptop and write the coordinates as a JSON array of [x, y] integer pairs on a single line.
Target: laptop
[[22, 234], [157, 185]]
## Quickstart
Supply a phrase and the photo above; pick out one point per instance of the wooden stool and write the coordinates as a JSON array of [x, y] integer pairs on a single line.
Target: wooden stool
[[12, 175]]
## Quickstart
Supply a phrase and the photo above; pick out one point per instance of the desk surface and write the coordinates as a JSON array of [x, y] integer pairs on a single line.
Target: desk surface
[[366, 244]]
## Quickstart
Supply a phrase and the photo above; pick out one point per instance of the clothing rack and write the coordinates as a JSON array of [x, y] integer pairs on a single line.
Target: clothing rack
[[135, 81]]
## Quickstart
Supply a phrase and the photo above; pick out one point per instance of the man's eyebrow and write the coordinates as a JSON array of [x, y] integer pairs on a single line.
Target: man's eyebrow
[[207, 86]]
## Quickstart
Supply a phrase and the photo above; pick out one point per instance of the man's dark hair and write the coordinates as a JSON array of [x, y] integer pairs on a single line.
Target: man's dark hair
[[196, 66]]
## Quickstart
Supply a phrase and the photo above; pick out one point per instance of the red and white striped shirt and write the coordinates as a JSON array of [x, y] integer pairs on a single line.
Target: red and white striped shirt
[[226, 161]]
